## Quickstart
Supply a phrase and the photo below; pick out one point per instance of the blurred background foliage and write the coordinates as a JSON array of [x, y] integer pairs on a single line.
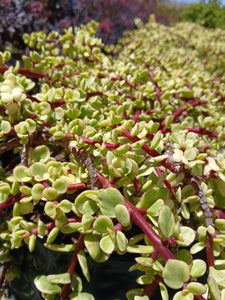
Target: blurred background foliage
[[114, 16]]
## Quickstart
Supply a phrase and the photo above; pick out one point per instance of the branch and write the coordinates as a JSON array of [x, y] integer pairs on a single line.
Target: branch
[[5, 268], [71, 268], [25, 72]]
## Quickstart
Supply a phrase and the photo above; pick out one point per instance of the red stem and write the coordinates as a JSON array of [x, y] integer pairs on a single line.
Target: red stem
[[5, 268], [71, 268], [209, 250], [25, 72], [48, 226], [153, 81], [136, 185], [151, 287], [205, 132], [12, 199], [2, 216], [167, 183], [35, 230], [77, 186], [98, 93], [131, 84]]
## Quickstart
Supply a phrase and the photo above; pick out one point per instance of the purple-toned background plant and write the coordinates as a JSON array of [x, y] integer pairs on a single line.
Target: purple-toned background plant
[[115, 16], [122, 156]]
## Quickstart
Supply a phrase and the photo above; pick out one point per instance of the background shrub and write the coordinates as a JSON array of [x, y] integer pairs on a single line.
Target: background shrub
[[210, 14]]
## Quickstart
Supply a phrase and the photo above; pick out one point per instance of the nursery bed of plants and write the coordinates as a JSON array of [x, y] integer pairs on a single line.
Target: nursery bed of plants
[[103, 155]]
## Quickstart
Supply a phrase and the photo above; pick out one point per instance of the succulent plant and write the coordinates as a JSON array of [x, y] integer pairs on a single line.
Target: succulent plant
[[121, 155]]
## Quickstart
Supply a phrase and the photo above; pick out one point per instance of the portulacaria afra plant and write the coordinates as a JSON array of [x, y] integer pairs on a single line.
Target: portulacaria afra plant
[[122, 156]]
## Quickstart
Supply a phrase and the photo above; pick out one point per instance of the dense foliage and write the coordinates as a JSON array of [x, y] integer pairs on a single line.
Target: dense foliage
[[210, 14], [114, 16], [122, 156]]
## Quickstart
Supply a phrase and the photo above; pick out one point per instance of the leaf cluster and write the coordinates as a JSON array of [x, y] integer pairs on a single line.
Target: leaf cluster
[[118, 156]]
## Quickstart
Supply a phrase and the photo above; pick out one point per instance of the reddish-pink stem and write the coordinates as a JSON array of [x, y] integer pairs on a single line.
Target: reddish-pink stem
[[182, 108], [35, 230], [3, 272], [7, 215], [77, 186], [48, 226], [131, 84], [209, 250], [152, 286], [89, 95], [136, 116], [167, 183], [158, 92], [12, 199], [136, 185], [71, 268], [205, 132], [25, 72]]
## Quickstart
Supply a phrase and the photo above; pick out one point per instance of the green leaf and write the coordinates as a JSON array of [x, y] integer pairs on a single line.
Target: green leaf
[[60, 248], [186, 236], [218, 275], [166, 221], [50, 193], [151, 196], [39, 171], [213, 289], [76, 284], [156, 140], [102, 224], [5, 126], [198, 268], [196, 288], [32, 241], [197, 247], [22, 174], [141, 298], [163, 291], [92, 244], [81, 296], [44, 286], [122, 214], [185, 256], [70, 228], [84, 265], [176, 280], [63, 278], [108, 199], [121, 241], [145, 262], [37, 191], [41, 227], [50, 210], [134, 292], [87, 221], [183, 295], [106, 244], [41, 153], [65, 205], [4, 188], [142, 249], [82, 198], [52, 235]]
